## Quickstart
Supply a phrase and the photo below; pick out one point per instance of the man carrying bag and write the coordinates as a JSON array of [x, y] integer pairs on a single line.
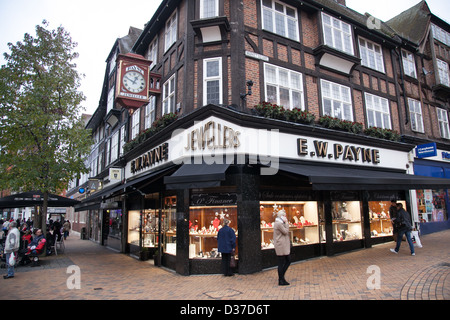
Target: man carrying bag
[[403, 223]]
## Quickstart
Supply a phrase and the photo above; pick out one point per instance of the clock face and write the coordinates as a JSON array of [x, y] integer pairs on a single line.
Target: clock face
[[134, 81]]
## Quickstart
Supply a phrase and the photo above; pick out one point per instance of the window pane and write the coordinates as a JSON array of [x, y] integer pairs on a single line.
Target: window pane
[[268, 20], [212, 69], [213, 92], [284, 98], [279, 24], [271, 94]]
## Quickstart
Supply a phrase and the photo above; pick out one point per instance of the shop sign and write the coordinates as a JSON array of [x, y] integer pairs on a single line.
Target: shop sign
[[426, 150], [212, 136], [150, 158], [214, 199], [446, 156], [337, 151]]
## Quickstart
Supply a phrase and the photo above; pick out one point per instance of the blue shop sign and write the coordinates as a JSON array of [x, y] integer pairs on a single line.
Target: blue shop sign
[[426, 150]]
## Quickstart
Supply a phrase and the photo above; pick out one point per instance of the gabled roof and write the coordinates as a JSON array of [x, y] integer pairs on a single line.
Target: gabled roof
[[412, 24]]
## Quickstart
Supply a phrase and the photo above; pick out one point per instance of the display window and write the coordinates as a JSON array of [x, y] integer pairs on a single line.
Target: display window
[[148, 218], [204, 224], [206, 215], [346, 220], [380, 218], [301, 215], [169, 225], [432, 205]]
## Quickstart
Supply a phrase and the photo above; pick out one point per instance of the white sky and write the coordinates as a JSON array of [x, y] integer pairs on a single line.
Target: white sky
[[96, 24]]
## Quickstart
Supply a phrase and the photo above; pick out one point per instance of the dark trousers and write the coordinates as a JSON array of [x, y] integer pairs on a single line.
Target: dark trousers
[[226, 257], [283, 264]]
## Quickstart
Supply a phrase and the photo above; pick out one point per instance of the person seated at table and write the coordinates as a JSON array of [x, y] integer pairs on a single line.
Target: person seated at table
[[37, 245]]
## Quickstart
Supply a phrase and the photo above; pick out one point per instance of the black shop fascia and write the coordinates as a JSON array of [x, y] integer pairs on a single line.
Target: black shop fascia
[[222, 164]]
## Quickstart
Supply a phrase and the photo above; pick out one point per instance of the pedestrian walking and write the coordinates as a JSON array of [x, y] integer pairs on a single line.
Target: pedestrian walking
[[282, 244], [403, 222], [393, 216], [66, 229], [226, 244], [12, 244]]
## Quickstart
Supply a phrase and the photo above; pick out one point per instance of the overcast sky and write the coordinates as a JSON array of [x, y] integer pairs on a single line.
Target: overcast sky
[[96, 24]]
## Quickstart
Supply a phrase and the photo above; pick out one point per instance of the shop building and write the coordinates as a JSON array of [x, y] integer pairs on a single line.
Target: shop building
[[425, 56], [215, 149]]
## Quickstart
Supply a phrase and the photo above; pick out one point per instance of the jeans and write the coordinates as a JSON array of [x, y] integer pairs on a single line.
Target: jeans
[[10, 268], [400, 234]]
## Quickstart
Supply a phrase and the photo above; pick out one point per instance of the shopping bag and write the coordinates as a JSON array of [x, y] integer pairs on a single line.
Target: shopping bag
[[12, 259], [233, 259], [415, 239]]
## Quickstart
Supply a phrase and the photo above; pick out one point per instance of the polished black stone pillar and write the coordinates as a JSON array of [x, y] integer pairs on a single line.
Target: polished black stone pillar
[[182, 259], [249, 238]]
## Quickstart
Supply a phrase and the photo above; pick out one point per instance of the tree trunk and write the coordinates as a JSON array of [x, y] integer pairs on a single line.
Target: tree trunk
[[44, 214]]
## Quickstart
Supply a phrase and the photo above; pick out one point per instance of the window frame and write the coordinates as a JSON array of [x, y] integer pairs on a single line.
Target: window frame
[[286, 19], [202, 9], [365, 52], [443, 72], [207, 79], [152, 53], [114, 146], [278, 85], [415, 116], [171, 31], [341, 24], [377, 108], [440, 113], [150, 112], [341, 101], [409, 63], [135, 123], [171, 95]]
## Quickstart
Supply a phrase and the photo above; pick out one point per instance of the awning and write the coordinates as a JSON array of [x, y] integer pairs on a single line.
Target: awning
[[91, 202], [35, 198], [202, 175], [345, 178]]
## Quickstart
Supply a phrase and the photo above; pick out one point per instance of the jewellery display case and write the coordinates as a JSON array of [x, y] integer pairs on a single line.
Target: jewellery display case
[[169, 225], [346, 220], [149, 230], [204, 224], [301, 215]]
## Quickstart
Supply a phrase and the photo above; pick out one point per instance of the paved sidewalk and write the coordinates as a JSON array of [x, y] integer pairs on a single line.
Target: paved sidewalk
[[108, 275]]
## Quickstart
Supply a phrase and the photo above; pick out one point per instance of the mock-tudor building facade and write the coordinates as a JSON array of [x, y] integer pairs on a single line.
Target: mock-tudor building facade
[[259, 106]]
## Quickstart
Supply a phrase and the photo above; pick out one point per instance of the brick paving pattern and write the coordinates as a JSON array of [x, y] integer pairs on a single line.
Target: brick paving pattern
[[108, 275]]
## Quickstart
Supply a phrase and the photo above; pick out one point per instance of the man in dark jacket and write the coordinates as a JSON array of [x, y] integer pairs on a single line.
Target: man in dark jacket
[[404, 225], [226, 240]]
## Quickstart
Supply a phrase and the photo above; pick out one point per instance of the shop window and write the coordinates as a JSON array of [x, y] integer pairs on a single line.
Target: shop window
[[169, 225], [346, 220], [432, 205], [380, 219], [302, 217], [204, 224], [149, 221], [115, 223]]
